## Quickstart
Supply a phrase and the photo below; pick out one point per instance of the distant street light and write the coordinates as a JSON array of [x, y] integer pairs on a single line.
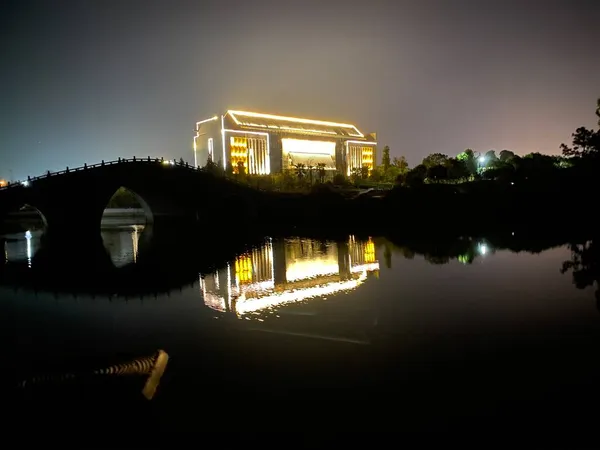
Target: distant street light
[[482, 159]]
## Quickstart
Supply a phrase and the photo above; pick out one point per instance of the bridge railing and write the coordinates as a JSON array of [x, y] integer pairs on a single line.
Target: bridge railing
[[147, 160]]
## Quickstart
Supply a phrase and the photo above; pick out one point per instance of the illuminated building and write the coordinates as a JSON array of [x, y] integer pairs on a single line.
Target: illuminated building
[[265, 143], [288, 271]]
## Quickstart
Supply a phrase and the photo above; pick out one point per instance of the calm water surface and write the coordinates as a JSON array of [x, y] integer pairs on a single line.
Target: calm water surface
[[303, 332]]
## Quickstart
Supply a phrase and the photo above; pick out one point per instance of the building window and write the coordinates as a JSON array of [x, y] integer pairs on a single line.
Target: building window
[[258, 156], [249, 155], [359, 156], [367, 157], [211, 153], [239, 154]]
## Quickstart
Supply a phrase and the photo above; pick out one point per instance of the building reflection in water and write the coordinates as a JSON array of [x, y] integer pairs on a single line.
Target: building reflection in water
[[288, 271], [122, 244]]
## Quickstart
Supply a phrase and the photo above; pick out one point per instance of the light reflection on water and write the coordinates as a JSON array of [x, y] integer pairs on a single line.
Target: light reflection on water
[[286, 271], [122, 243], [288, 310], [21, 247]]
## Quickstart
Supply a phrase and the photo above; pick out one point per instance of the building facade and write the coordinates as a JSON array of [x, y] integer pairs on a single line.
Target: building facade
[[262, 144]]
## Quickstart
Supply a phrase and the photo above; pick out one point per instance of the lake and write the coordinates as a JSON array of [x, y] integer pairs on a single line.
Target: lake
[[301, 333]]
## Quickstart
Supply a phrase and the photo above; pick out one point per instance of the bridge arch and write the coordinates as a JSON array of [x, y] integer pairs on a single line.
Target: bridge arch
[[125, 197], [40, 214]]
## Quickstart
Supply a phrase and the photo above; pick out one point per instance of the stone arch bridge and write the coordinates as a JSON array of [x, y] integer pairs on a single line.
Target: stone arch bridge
[[73, 200]]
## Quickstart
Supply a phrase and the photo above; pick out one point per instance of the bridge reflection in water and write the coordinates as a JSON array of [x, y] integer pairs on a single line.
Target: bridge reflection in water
[[121, 243], [286, 271], [123, 248]]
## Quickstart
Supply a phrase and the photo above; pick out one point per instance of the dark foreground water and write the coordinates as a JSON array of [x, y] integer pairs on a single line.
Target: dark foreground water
[[307, 335]]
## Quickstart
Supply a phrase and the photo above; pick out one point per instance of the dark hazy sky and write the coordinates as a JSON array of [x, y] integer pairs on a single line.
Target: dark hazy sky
[[85, 80]]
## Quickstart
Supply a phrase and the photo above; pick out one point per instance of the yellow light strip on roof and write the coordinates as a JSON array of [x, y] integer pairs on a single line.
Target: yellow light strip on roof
[[362, 142], [233, 114], [277, 127], [206, 120]]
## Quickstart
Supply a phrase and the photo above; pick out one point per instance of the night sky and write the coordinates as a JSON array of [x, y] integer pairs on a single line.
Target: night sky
[[84, 80]]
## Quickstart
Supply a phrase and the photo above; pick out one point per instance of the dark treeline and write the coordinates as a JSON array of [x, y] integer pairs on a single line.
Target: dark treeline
[[534, 194]]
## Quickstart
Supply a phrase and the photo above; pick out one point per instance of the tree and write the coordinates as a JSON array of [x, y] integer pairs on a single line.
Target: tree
[[356, 174], [321, 172], [437, 173], [400, 179], [364, 172], [401, 164], [241, 169], [586, 144], [470, 159], [506, 155], [385, 159], [212, 167], [500, 170], [457, 169], [416, 176], [490, 157], [585, 266], [536, 166], [300, 170], [339, 179], [310, 168], [435, 159]]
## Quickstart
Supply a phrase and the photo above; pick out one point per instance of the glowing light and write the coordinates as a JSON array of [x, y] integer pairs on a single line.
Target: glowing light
[[211, 149], [370, 252], [483, 249], [29, 248], [286, 128], [370, 267], [3, 183], [267, 159], [228, 285], [213, 301], [25, 183], [358, 156], [238, 150], [223, 141], [195, 157], [482, 159], [308, 152], [361, 142], [308, 147], [301, 270], [227, 130], [206, 120], [233, 115], [245, 306], [243, 269], [135, 238]]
